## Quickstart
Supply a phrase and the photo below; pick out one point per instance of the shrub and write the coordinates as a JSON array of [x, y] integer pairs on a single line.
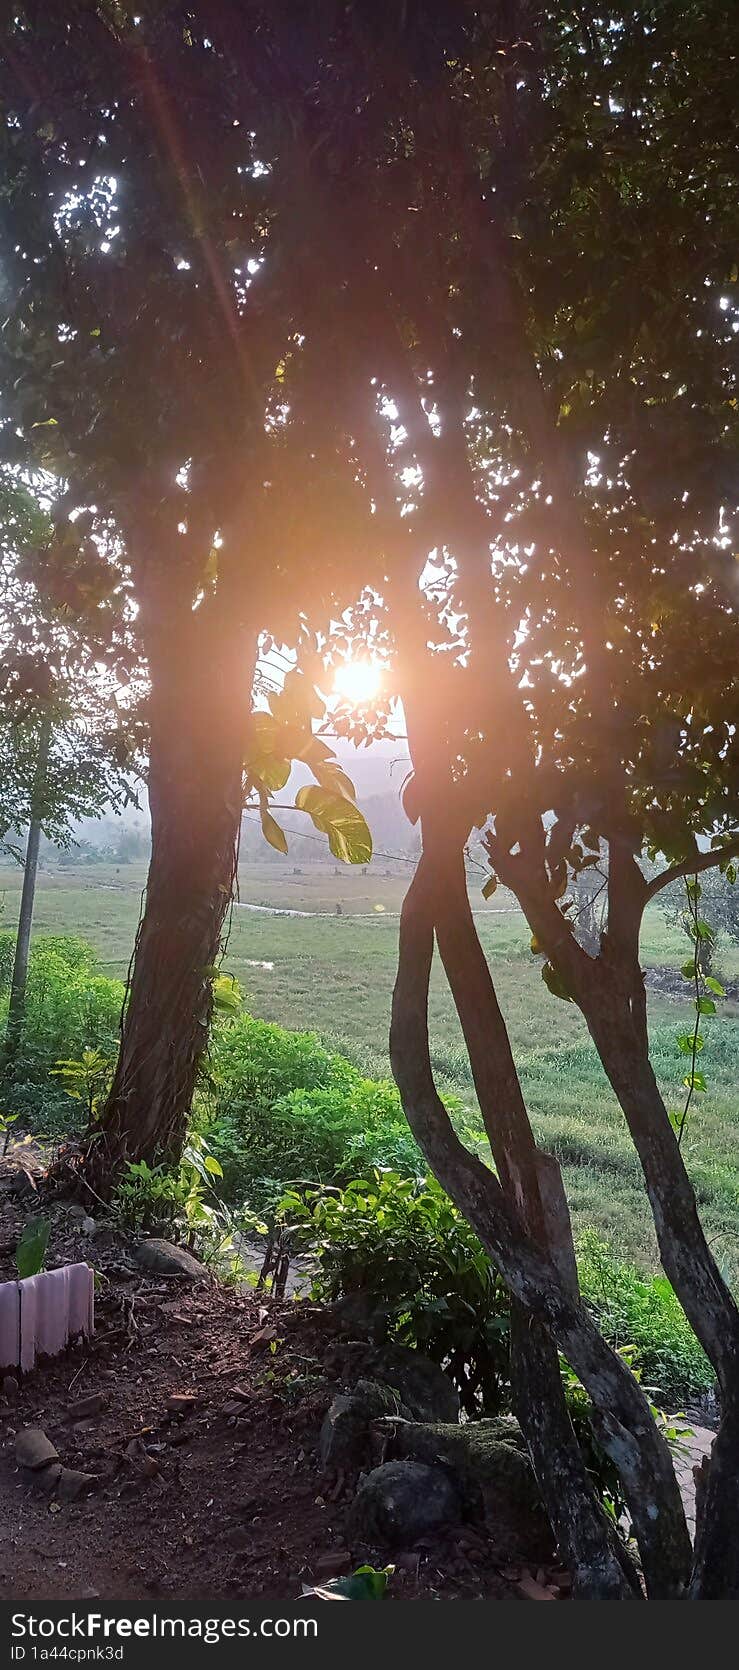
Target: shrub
[[645, 1313], [70, 1008], [401, 1243], [184, 1203], [283, 1108]]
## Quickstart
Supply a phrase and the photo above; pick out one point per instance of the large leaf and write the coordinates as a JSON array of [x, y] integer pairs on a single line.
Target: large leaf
[[348, 834], [271, 771], [226, 992], [31, 1249], [366, 1583], [271, 830], [331, 777]]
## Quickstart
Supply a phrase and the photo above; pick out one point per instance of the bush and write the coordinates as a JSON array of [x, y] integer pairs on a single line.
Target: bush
[[402, 1244], [70, 1008], [643, 1312], [283, 1108]]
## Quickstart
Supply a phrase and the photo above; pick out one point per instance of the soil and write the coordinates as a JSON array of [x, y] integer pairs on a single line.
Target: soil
[[219, 1495], [669, 982]]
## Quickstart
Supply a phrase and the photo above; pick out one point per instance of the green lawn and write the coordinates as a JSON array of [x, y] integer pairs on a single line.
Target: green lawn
[[334, 973]]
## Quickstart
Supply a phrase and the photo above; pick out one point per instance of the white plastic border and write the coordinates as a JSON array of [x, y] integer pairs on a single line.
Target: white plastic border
[[41, 1314]]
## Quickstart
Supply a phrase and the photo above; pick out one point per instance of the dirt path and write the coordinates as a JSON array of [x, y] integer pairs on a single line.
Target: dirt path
[[196, 1412]]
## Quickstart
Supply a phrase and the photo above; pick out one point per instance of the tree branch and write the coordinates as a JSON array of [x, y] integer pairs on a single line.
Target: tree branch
[[692, 866]]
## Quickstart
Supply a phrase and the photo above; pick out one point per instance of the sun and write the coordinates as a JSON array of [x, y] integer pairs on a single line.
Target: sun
[[358, 681]]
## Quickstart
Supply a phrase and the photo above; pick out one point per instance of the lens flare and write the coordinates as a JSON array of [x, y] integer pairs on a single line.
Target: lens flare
[[358, 682]]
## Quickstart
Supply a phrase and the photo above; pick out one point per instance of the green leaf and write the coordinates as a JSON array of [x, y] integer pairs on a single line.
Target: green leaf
[[211, 1164], [271, 830], [226, 992], [689, 1041], [364, 1584], [348, 833], [715, 986], [31, 1249], [706, 1006], [688, 971], [332, 778], [270, 770], [696, 1081]]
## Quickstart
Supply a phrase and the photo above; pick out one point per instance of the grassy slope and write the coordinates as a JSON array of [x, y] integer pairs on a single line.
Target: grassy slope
[[335, 974]]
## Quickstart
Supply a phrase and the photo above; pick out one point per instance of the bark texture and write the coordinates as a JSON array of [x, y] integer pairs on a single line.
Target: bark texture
[[201, 681], [624, 1424]]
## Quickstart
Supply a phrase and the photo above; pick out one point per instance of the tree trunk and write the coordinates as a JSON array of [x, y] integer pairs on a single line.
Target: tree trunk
[[708, 1303], [201, 686], [716, 1568], [622, 1418], [610, 993], [587, 1543], [19, 978]]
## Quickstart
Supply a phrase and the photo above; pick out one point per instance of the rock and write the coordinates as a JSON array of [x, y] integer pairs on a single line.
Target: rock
[[345, 1440], [88, 1226], [24, 1185], [262, 1340], [402, 1501], [358, 1313], [9, 1388], [335, 1563], [165, 1259], [86, 1407], [424, 1387], [488, 1464], [33, 1449], [532, 1589], [181, 1403], [73, 1484], [46, 1479]]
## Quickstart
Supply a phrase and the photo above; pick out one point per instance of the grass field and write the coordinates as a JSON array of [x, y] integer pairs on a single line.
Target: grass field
[[334, 973]]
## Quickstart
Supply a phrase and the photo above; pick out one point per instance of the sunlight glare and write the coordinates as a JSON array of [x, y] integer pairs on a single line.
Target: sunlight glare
[[357, 681]]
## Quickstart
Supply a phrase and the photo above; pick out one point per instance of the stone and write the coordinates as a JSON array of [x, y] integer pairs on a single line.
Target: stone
[[359, 1314], [336, 1562], [33, 1449], [86, 1407], [24, 1184], [88, 1226], [532, 1589], [73, 1484], [423, 1386], [46, 1479], [401, 1501], [181, 1403], [166, 1259], [488, 1463], [345, 1439]]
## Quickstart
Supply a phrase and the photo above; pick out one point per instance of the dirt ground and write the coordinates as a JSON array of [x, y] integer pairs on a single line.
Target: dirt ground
[[218, 1495]]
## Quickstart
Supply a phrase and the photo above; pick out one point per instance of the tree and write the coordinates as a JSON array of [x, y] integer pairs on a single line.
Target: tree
[[606, 722], [154, 296], [554, 402], [63, 746], [474, 321], [718, 916]]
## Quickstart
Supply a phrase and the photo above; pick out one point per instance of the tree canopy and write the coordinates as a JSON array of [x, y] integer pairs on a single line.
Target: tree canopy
[[431, 310]]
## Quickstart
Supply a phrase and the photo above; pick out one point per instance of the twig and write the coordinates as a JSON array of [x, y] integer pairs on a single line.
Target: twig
[[76, 1376]]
